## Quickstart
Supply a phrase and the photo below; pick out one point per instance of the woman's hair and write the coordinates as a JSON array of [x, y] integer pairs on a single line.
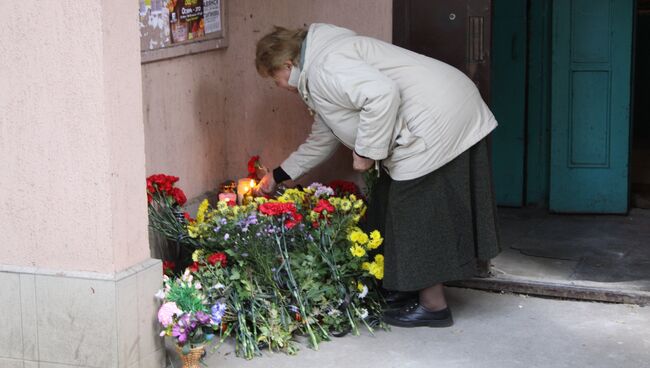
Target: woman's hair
[[277, 47]]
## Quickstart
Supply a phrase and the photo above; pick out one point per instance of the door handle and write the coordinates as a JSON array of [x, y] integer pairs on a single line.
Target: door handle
[[476, 39]]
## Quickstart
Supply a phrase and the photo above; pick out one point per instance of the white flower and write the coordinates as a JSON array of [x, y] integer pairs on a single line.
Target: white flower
[[363, 313], [363, 292], [187, 277], [161, 294], [218, 286], [334, 313], [197, 285]]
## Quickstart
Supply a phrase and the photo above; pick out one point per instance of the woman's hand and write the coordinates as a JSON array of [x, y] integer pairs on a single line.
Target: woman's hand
[[266, 186], [360, 163]]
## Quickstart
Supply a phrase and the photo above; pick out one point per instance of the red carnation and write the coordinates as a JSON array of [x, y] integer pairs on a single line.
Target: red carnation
[[178, 195], [276, 208], [188, 217], [218, 257], [194, 267], [293, 221], [252, 167], [150, 188], [343, 187], [168, 267], [324, 205]]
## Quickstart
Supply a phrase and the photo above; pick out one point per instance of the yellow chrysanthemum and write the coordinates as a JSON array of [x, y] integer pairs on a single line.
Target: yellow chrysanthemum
[[356, 219], [260, 200], [358, 237], [313, 216], [352, 197], [222, 205], [197, 254], [345, 205], [376, 270], [358, 204], [365, 266], [335, 201], [292, 195], [359, 286], [375, 240], [193, 231], [357, 251], [379, 274], [203, 208], [379, 258]]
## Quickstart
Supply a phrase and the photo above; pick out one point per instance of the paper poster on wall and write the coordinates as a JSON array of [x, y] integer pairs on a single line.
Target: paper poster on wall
[[186, 19], [167, 22], [212, 15], [154, 24]]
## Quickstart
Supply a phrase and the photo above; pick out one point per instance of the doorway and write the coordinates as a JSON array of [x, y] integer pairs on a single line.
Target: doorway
[[568, 134], [578, 143], [640, 153]]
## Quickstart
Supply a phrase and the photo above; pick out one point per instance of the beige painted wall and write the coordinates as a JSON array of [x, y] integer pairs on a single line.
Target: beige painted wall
[[206, 114], [71, 136]]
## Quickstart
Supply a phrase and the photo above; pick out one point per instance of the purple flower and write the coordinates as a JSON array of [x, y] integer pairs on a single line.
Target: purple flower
[[217, 310], [202, 317], [321, 190], [225, 237], [293, 308], [180, 333], [183, 328]]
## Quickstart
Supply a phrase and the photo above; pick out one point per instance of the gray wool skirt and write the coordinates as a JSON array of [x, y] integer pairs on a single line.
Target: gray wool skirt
[[437, 226]]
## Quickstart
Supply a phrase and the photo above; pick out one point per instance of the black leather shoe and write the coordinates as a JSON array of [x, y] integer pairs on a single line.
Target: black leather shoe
[[416, 315], [399, 299]]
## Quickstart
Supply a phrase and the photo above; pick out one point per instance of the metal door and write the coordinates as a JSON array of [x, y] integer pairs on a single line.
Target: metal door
[[454, 31], [590, 127]]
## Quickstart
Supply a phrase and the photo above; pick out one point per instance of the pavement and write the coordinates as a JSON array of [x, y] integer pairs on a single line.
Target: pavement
[[490, 330]]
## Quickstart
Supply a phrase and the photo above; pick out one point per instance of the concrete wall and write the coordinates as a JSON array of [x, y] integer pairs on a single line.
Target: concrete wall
[[72, 139], [206, 114], [76, 280]]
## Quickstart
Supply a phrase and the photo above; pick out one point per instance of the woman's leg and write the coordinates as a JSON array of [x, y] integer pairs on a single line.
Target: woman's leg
[[433, 298]]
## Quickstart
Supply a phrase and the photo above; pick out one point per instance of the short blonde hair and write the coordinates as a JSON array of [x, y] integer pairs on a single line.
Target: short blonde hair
[[277, 47]]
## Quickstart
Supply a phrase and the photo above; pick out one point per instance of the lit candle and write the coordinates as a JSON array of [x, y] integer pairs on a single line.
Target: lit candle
[[244, 187]]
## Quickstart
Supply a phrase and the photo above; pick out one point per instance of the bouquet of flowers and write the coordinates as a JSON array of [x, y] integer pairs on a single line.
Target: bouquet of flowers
[[294, 265], [186, 315], [165, 208]]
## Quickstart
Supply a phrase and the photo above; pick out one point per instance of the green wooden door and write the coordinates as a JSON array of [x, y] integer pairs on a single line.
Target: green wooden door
[[590, 112], [508, 99]]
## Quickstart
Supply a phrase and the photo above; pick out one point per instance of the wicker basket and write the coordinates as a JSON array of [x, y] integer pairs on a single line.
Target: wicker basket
[[192, 359]]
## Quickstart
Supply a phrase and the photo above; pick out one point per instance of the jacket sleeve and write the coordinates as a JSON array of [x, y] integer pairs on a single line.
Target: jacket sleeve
[[361, 87], [319, 146]]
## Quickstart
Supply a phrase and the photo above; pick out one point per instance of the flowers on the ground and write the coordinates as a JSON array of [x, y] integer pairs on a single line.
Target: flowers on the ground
[[218, 257], [268, 270], [186, 314]]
